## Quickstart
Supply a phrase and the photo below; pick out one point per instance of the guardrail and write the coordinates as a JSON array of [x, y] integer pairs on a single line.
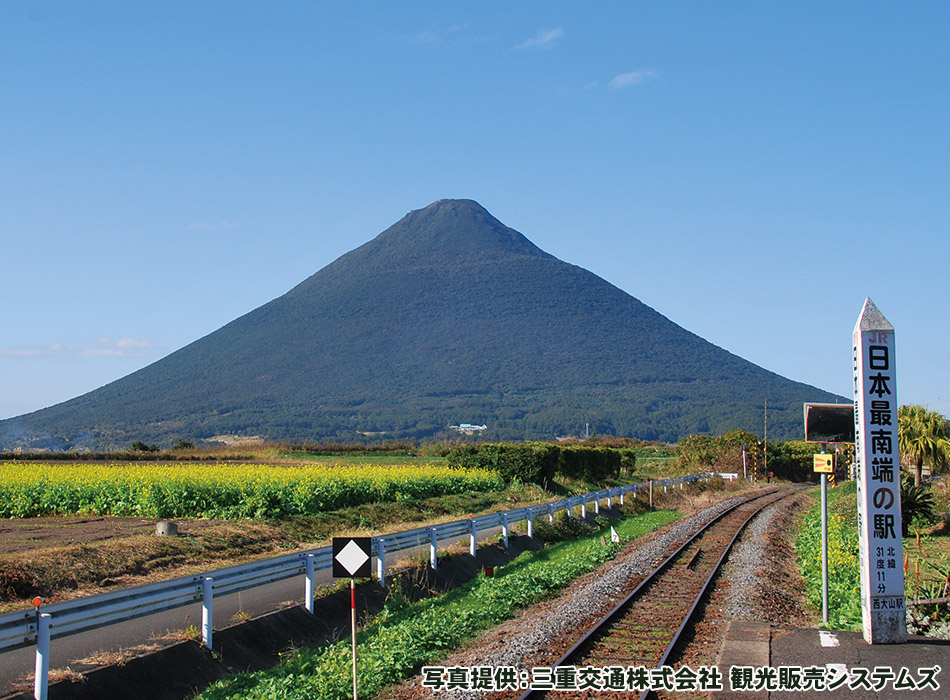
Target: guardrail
[[27, 627]]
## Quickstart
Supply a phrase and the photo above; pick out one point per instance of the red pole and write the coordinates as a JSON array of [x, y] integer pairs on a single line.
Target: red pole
[[353, 620]]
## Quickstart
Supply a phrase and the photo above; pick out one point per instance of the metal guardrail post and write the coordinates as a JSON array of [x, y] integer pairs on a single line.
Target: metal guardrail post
[[504, 528], [207, 610], [381, 562], [597, 504], [41, 670], [530, 525], [551, 513], [433, 549], [583, 508], [473, 537], [309, 586]]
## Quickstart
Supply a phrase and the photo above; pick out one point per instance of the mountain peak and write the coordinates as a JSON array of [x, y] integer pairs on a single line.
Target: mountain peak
[[452, 228], [455, 205]]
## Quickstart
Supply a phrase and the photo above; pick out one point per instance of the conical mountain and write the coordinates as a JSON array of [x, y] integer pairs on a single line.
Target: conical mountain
[[446, 317]]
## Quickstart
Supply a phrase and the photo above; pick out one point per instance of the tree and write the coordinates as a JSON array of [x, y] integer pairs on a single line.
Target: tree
[[139, 446], [924, 436], [917, 503]]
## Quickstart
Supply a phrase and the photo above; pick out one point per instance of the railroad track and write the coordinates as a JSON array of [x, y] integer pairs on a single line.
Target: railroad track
[[645, 628]]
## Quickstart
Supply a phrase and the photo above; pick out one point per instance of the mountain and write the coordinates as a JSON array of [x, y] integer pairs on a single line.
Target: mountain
[[446, 317]]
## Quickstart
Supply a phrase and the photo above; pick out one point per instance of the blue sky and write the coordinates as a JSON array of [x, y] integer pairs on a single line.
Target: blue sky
[[753, 171]]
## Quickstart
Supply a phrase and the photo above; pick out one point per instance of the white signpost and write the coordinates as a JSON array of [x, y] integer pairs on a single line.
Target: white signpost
[[878, 479]]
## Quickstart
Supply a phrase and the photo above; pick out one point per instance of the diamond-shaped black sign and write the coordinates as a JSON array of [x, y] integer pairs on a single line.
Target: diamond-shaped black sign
[[352, 557]]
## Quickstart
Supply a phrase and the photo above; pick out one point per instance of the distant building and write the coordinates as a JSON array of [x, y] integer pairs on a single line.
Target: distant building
[[468, 428]]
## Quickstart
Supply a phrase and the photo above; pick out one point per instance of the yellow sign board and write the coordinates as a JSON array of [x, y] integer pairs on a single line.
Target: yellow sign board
[[824, 464]]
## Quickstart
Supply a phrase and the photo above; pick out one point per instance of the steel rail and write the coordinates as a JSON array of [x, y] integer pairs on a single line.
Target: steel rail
[[608, 618], [702, 591]]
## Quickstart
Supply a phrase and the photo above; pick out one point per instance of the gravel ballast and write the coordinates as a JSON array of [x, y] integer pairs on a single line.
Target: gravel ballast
[[528, 640]]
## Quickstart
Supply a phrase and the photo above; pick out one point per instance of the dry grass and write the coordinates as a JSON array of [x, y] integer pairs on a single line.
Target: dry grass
[[24, 684], [72, 570], [189, 632], [75, 568], [118, 658]]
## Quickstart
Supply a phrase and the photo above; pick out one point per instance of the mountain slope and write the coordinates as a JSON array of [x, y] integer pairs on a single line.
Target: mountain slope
[[448, 316]]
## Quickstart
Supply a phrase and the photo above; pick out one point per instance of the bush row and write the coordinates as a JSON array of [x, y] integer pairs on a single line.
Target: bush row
[[791, 460], [540, 462]]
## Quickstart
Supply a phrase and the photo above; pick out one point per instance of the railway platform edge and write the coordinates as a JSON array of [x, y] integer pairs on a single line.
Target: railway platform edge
[[858, 670]]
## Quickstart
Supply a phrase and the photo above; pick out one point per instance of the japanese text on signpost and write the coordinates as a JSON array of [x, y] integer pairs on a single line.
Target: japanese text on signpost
[[879, 506]]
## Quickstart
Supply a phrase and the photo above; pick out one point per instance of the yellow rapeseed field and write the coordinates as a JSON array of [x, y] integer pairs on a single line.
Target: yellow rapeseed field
[[221, 491]]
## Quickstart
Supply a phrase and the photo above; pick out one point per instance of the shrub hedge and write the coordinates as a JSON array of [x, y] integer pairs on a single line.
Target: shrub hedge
[[540, 462], [791, 460]]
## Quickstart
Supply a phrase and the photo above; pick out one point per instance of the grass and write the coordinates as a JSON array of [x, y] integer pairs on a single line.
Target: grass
[[928, 564], [61, 570], [407, 635], [74, 569], [926, 552], [844, 593]]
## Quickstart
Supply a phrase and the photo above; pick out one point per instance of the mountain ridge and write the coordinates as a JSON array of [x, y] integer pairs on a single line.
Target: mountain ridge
[[447, 316]]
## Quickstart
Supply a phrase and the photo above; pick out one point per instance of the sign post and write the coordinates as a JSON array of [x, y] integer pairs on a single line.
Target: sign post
[[878, 479], [824, 465], [827, 424], [352, 558]]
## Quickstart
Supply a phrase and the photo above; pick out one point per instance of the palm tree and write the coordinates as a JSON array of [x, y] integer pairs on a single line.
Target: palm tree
[[924, 436]]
